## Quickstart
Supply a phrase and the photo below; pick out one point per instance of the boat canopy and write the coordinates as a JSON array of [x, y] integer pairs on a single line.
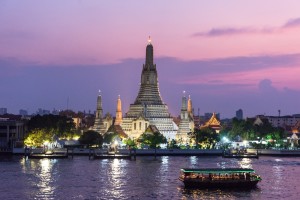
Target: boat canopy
[[217, 170]]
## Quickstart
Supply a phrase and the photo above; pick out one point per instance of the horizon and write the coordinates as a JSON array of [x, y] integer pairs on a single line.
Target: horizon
[[246, 57]]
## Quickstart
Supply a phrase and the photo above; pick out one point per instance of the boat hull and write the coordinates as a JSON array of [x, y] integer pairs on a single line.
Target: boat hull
[[220, 184]]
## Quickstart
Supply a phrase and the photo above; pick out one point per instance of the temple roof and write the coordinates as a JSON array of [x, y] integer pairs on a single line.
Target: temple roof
[[117, 129], [213, 122], [151, 129]]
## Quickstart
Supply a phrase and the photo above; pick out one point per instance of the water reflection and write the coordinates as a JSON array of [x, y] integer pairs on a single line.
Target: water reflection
[[277, 170], [193, 160], [46, 187], [116, 177], [245, 163]]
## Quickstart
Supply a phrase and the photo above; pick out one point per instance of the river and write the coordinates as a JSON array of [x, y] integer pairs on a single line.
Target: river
[[145, 178]]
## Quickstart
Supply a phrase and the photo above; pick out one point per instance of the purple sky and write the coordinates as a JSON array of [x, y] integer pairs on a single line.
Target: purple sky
[[226, 54]]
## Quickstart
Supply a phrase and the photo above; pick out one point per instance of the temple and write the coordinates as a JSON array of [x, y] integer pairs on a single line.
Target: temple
[[213, 123], [99, 125], [148, 107], [186, 124]]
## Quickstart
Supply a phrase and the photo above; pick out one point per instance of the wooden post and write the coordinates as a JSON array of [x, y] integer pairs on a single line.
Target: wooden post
[[89, 153]]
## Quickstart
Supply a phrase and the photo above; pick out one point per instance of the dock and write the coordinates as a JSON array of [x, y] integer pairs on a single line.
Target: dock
[[112, 156]]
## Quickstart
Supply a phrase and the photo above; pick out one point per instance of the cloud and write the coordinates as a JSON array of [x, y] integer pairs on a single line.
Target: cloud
[[292, 23], [224, 31], [266, 86], [230, 31]]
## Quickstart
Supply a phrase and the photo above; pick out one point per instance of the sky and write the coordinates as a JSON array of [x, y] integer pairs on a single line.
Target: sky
[[227, 55]]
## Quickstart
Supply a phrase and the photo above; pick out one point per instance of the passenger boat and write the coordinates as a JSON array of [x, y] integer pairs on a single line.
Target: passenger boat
[[243, 178], [244, 153]]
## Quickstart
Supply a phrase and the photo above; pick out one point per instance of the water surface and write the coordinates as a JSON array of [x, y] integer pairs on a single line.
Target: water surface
[[145, 178]]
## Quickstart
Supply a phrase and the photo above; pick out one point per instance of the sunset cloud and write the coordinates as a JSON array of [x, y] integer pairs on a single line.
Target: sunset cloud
[[229, 31], [292, 23]]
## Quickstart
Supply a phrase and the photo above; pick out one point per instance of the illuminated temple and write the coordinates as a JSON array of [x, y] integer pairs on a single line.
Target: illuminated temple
[[148, 107]]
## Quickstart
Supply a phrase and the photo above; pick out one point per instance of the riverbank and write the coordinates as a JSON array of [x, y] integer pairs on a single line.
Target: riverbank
[[162, 152]]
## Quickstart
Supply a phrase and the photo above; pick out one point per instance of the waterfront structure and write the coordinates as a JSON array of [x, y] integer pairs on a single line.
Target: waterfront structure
[[186, 124], [119, 116], [12, 132], [148, 107], [99, 125]]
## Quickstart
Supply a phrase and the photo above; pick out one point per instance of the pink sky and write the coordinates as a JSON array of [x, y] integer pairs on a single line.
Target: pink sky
[[68, 33]]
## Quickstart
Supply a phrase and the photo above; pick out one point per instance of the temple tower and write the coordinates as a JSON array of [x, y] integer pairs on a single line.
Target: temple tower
[[184, 126], [149, 92], [148, 107], [99, 125], [190, 107], [118, 120]]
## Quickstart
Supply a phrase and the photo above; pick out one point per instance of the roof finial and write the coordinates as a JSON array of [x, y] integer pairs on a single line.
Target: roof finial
[[99, 92], [149, 40], [184, 93]]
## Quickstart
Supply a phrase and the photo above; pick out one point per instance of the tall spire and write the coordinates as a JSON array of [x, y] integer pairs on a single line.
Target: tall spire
[[190, 106], [183, 103], [99, 105], [149, 54], [98, 125], [118, 120], [149, 92]]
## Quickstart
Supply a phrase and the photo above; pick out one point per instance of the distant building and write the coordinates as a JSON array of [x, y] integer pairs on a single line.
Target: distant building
[[3, 111], [239, 114], [23, 112], [42, 112], [55, 112], [283, 121]]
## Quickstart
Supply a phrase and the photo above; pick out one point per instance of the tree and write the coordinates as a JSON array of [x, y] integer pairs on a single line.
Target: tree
[[207, 137], [130, 143], [62, 126], [109, 137], [153, 140], [91, 138], [37, 137]]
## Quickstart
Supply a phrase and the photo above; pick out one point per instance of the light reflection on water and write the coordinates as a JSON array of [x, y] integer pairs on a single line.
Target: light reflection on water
[[145, 178], [246, 163]]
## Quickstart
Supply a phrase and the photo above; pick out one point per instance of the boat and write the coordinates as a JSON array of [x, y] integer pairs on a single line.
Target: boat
[[243, 178], [240, 153]]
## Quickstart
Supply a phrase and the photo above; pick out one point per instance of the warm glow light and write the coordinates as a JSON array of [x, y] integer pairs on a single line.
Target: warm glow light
[[76, 138]]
